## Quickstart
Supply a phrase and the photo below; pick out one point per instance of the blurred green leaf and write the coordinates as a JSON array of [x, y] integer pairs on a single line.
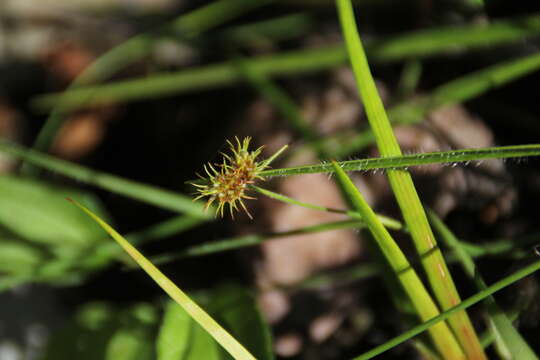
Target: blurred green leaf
[[180, 338], [38, 212], [175, 333], [17, 257], [133, 340], [101, 331], [234, 307], [42, 237]]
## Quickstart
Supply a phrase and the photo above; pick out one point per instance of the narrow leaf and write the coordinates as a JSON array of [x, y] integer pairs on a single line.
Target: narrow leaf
[[506, 334], [412, 285], [499, 285], [234, 348]]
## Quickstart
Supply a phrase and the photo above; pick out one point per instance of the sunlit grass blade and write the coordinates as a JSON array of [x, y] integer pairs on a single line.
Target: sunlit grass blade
[[235, 349], [499, 285], [510, 338], [186, 26], [386, 221], [405, 161], [441, 335], [414, 45], [404, 190], [153, 195]]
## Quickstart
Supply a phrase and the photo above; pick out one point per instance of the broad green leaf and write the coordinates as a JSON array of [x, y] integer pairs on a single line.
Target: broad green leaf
[[235, 308], [202, 346], [174, 334], [38, 212], [18, 257], [130, 344], [42, 238]]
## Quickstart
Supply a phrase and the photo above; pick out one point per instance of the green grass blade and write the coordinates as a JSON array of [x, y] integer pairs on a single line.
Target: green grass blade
[[406, 161], [163, 198], [177, 202], [499, 285], [508, 336], [443, 338], [265, 32], [238, 242], [404, 190], [414, 45], [134, 49], [386, 221], [235, 349]]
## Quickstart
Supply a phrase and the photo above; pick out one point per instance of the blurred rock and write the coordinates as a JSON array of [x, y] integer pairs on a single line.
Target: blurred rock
[[274, 304], [288, 345], [485, 185], [324, 327], [289, 260], [67, 60]]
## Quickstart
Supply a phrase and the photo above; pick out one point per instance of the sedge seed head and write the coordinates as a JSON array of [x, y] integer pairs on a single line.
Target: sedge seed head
[[226, 183]]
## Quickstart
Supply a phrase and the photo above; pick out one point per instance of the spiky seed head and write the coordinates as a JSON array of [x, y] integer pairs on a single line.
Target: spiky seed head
[[227, 182]]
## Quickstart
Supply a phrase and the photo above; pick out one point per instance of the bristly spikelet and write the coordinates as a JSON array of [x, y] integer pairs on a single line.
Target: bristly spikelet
[[227, 184]]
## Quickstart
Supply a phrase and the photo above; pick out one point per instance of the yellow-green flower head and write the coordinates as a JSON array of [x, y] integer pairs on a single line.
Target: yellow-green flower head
[[227, 182]]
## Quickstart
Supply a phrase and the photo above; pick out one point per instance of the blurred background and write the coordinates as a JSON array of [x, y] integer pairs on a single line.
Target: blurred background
[[161, 103]]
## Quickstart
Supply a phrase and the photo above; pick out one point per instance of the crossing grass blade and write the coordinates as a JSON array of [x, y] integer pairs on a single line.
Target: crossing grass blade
[[451, 157], [425, 307], [499, 285], [404, 190], [233, 347], [508, 336]]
